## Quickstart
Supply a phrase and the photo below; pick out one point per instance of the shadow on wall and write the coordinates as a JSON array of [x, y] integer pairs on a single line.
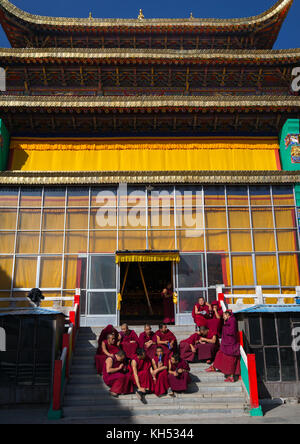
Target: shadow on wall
[[17, 159]]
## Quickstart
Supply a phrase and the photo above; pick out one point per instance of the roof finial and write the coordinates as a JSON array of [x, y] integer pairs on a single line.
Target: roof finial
[[141, 15], [90, 15], [191, 16]]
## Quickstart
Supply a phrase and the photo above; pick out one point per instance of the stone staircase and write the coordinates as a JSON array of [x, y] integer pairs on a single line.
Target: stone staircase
[[87, 397]]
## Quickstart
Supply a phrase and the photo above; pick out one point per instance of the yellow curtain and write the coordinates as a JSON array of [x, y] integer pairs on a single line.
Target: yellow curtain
[[70, 272], [132, 240], [264, 241], [6, 263], [77, 219], [285, 217], [50, 272], [190, 240], [216, 240], [289, 270], [53, 219], [76, 242], [25, 272], [7, 242], [242, 274], [52, 242], [103, 241], [161, 240], [240, 241], [215, 218], [287, 240], [8, 219], [29, 219], [262, 218], [27, 242]]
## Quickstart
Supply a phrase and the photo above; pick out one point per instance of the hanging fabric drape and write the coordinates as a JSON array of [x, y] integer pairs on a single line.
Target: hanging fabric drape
[[148, 257]]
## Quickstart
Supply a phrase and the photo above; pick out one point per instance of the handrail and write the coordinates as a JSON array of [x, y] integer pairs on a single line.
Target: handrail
[[260, 298], [63, 364]]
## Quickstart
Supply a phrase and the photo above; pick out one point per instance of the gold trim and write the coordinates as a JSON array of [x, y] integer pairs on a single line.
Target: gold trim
[[148, 177], [245, 22], [134, 102]]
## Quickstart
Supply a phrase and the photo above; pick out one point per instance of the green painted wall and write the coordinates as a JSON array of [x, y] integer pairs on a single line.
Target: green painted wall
[[291, 126], [297, 192], [4, 146]]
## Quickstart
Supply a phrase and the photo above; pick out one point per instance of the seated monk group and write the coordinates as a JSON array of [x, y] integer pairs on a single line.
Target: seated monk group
[[202, 345], [148, 363]]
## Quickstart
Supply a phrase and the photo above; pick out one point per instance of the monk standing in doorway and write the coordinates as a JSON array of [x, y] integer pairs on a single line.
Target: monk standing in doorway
[[169, 313]]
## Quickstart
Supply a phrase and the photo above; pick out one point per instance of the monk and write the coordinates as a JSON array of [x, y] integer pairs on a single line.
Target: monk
[[148, 341], [160, 372], [228, 357], [208, 345], [169, 312], [188, 347], [141, 374], [116, 375], [109, 329], [201, 312], [109, 348], [215, 323], [179, 376], [129, 341], [166, 339]]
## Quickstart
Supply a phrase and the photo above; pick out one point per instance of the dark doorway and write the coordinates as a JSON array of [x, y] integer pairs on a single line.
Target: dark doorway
[[135, 306]]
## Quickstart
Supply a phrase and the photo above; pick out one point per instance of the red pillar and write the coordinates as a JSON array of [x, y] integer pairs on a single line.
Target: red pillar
[[254, 399]]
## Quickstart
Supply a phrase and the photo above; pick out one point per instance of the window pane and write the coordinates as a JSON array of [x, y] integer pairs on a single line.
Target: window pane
[[260, 365], [25, 272], [102, 303], [239, 218], [242, 270], [262, 218], [287, 364], [266, 270], [76, 242], [27, 242], [264, 241], [31, 197], [101, 218], [237, 195], [283, 195], [132, 240], [216, 240], [191, 271], [164, 197], [161, 240], [215, 218], [164, 218], [103, 241], [8, 197], [102, 196], [218, 270], [78, 197], [240, 241], [50, 273], [52, 242], [54, 197], [53, 219], [255, 330], [287, 240], [289, 270], [6, 263], [190, 240], [284, 330], [77, 219], [260, 195], [214, 196], [11, 325], [285, 217], [7, 219], [7, 242], [187, 300], [29, 219], [269, 330], [27, 337], [102, 272], [272, 364]]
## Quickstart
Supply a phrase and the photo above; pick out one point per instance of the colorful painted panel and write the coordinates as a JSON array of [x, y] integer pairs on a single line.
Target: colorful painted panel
[[290, 145]]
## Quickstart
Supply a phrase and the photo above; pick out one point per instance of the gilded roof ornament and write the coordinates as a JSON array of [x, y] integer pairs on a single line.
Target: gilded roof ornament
[[141, 15], [90, 16]]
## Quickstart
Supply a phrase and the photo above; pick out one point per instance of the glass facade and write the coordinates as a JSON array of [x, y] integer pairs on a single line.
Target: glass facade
[[238, 236]]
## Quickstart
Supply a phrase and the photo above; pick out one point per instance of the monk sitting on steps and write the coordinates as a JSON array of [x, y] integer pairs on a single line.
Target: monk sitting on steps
[[129, 341], [179, 376], [141, 374], [208, 345], [166, 339], [148, 341], [160, 372], [109, 348], [116, 375]]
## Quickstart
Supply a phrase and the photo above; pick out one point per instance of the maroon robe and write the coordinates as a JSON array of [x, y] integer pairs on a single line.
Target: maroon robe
[[208, 351], [101, 357], [214, 324], [162, 383], [228, 357], [103, 335], [169, 312], [179, 383], [185, 347], [144, 374], [127, 347], [202, 318], [143, 339], [120, 382], [168, 336]]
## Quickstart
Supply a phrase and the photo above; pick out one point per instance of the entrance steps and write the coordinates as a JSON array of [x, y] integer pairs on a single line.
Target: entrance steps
[[87, 397]]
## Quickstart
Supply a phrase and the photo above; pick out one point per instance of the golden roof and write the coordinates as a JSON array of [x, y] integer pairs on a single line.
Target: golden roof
[[280, 7]]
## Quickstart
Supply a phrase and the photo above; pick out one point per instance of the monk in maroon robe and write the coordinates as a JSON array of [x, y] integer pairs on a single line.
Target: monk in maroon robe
[[188, 347], [166, 339], [179, 376], [109, 348], [116, 375], [141, 373], [129, 341], [228, 357], [201, 312], [169, 312], [208, 345], [215, 323], [103, 335], [160, 372], [148, 341]]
